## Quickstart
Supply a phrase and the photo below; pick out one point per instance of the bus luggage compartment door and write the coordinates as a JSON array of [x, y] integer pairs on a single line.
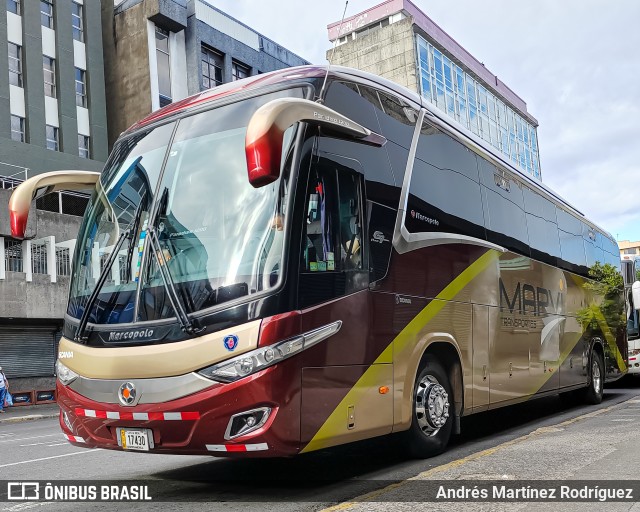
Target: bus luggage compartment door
[[342, 404]]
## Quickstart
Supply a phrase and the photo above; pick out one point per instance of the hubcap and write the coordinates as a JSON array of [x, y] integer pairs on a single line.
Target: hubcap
[[431, 405], [595, 375]]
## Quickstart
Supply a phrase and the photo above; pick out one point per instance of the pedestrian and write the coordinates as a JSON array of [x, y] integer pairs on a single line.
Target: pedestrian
[[4, 388]]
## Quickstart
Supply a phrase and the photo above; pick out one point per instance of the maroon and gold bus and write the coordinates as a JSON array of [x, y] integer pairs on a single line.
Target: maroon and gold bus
[[273, 267]]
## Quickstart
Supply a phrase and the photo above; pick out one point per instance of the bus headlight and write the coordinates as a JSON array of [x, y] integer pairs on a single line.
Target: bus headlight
[[65, 375], [259, 359]]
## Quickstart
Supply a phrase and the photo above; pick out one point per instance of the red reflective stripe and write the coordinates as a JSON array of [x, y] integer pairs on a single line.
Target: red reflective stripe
[[155, 416], [236, 448]]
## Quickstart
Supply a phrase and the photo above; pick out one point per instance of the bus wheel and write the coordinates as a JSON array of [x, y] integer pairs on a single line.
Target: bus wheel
[[432, 411], [593, 393]]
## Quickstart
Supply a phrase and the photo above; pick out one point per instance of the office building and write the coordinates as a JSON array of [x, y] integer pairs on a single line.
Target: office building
[[52, 117], [160, 51], [398, 41]]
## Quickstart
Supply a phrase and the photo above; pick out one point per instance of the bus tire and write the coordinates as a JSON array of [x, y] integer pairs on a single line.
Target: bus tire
[[432, 412], [594, 391]]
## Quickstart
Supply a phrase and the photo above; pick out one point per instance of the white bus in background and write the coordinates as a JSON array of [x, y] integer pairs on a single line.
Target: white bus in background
[[629, 271]]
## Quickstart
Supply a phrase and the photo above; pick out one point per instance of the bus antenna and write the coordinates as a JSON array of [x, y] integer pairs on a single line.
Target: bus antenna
[[335, 43]]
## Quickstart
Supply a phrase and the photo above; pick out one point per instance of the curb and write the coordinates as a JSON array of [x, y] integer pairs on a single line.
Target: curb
[[31, 417]]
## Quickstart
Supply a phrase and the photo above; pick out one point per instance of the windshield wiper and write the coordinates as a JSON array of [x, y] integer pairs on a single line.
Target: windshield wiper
[[186, 323], [80, 337]]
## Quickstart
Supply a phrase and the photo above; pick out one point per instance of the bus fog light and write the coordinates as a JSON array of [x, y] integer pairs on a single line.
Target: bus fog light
[[245, 366], [246, 422]]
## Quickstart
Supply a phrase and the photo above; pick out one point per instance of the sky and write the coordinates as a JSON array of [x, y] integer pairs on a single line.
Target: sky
[[574, 62]]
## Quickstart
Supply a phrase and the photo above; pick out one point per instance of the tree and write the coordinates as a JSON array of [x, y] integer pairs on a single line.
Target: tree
[[606, 287]]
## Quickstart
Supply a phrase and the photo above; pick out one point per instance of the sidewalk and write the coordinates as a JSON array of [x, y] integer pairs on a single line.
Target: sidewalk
[[596, 449], [29, 412]]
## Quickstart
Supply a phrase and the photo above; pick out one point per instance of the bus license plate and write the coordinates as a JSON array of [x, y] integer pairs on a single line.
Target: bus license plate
[[135, 439]]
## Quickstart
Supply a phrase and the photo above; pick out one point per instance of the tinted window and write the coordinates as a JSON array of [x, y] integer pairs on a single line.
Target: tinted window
[[333, 259], [444, 201], [346, 99], [444, 152], [611, 252], [397, 119], [504, 208], [542, 227], [571, 243], [593, 251]]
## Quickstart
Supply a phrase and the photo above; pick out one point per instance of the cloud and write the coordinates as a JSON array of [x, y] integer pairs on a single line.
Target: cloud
[[574, 62]]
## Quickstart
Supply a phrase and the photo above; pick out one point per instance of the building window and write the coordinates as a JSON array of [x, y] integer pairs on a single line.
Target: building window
[[13, 6], [76, 21], [49, 69], [17, 128], [46, 13], [15, 64], [461, 96], [239, 71], [81, 87], [52, 138], [164, 69], [212, 66], [83, 146]]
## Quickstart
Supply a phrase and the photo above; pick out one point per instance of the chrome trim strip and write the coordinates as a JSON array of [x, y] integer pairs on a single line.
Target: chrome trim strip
[[398, 241], [266, 414], [149, 391], [413, 241], [403, 241], [315, 336]]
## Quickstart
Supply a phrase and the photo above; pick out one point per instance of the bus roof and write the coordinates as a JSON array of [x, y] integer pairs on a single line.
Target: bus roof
[[340, 72]]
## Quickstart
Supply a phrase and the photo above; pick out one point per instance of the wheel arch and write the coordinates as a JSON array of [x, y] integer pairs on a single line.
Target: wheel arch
[[444, 348]]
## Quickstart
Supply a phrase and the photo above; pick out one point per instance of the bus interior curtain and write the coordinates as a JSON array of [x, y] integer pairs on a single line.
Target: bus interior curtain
[[325, 218]]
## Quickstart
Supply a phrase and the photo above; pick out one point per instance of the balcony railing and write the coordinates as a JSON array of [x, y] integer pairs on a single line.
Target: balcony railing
[[42, 256]]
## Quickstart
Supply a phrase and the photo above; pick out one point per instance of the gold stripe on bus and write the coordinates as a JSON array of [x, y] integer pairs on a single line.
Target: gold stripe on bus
[[611, 341], [605, 328], [335, 424]]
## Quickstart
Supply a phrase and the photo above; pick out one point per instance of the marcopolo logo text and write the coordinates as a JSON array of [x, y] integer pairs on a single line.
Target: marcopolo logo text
[[130, 335]]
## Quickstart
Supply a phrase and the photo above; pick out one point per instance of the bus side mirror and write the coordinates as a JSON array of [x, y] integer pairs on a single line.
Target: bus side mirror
[[41, 185], [265, 132], [635, 294]]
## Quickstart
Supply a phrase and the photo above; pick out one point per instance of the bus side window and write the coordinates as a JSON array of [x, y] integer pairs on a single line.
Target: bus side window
[[333, 260]]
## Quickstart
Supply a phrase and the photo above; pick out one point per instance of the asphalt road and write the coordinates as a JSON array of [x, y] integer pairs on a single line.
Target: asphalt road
[[36, 450]]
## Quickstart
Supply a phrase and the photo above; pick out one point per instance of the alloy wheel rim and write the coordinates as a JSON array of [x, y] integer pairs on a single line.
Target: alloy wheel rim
[[431, 405], [595, 372]]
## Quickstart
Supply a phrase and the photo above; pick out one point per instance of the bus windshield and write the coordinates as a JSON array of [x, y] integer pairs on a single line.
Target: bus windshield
[[186, 183]]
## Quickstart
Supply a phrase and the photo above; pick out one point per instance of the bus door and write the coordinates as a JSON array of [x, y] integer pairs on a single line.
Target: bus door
[[339, 402]]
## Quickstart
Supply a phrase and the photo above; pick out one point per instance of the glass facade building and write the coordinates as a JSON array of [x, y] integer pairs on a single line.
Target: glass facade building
[[454, 91]]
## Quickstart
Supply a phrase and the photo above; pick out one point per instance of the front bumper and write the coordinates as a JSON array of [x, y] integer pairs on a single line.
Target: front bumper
[[195, 424]]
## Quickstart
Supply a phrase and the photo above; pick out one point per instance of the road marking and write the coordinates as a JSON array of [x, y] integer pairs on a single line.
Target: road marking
[[45, 458], [26, 438], [34, 444], [469, 458], [59, 444]]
